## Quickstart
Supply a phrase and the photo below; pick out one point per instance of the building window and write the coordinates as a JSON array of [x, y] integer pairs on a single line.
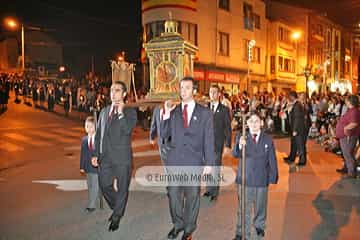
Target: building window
[[224, 40], [186, 29], [286, 64], [256, 55], [248, 17], [154, 29], [272, 64], [284, 35], [256, 19], [280, 64], [224, 4]]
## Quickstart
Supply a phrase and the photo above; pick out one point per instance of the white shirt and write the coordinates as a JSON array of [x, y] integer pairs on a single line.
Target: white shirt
[[257, 135], [190, 109], [215, 104], [252, 133], [116, 112]]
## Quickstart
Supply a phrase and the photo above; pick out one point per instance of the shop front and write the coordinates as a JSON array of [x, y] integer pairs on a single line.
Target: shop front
[[228, 81]]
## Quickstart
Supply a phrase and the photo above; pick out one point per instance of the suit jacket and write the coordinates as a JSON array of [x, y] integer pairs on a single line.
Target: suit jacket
[[192, 146], [113, 138], [297, 119], [155, 127], [222, 127], [85, 157], [260, 163]]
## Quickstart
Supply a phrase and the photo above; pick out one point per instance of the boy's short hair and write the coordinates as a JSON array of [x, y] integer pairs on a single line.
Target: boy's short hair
[[90, 119]]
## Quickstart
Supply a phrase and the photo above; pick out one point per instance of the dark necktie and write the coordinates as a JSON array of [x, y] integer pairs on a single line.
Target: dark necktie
[[254, 138], [112, 114], [185, 116], [212, 107], [91, 146]]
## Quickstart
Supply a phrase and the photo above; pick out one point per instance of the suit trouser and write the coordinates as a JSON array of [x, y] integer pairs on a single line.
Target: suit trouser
[[255, 198], [116, 200], [92, 180], [214, 188], [298, 146], [184, 204], [348, 145]]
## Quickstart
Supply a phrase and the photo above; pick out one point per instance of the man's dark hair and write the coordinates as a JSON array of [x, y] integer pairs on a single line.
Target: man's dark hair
[[123, 85], [188, 78], [293, 94], [353, 100], [215, 86]]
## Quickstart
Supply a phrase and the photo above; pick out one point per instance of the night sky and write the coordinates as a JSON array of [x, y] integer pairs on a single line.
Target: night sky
[[85, 28], [105, 28]]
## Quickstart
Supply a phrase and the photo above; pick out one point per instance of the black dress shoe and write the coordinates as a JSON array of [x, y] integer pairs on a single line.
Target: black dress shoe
[[110, 218], [342, 170], [206, 194], [288, 160], [213, 198], [174, 233], [89, 210], [114, 225], [260, 232], [300, 164], [237, 237], [186, 236]]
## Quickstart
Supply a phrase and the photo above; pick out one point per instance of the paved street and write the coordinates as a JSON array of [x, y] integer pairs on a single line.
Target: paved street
[[43, 194]]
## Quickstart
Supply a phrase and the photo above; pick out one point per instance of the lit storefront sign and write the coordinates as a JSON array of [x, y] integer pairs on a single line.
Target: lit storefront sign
[[214, 76]]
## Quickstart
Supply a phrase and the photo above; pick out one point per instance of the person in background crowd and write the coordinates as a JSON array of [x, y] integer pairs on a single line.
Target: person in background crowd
[[298, 131], [348, 131]]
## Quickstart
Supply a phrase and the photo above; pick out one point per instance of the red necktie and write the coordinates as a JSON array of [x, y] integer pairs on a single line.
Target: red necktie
[[111, 114], [254, 137], [185, 116], [91, 146]]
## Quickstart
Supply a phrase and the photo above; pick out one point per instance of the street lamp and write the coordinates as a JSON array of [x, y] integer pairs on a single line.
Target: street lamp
[[13, 24], [307, 73]]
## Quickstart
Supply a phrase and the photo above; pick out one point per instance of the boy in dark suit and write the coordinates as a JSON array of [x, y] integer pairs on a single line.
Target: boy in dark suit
[[87, 149], [260, 171]]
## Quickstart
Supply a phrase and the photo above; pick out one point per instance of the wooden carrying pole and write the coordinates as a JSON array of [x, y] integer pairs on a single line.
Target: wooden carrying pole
[[243, 179]]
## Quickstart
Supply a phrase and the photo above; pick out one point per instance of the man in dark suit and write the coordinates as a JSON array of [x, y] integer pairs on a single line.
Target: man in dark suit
[[260, 171], [189, 126], [155, 133], [297, 130], [113, 152], [222, 131]]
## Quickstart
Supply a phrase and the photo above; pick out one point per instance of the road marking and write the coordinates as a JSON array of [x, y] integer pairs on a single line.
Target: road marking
[[9, 147], [81, 185], [25, 139], [66, 185], [53, 136]]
